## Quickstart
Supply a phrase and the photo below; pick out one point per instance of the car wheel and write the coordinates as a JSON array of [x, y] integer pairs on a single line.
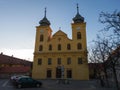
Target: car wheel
[[37, 85], [19, 86]]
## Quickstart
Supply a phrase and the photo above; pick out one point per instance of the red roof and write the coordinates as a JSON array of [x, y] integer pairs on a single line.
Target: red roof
[[4, 59], [20, 69]]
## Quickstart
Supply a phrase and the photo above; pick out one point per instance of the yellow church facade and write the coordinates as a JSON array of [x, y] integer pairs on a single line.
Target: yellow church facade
[[56, 56]]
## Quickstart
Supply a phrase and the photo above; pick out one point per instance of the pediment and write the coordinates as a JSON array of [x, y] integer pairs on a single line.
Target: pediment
[[60, 33]]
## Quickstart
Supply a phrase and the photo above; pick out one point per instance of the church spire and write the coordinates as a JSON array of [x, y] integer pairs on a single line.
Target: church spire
[[77, 8], [78, 18], [45, 12], [44, 21]]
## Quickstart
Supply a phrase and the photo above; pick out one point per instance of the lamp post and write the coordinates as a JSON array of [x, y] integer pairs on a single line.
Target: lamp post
[[62, 72]]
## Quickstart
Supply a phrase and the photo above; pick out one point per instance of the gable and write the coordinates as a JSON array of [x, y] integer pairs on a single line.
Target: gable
[[60, 33]]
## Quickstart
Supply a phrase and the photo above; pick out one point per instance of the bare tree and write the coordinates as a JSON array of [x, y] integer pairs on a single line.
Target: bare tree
[[106, 44], [98, 55], [111, 21], [112, 26]]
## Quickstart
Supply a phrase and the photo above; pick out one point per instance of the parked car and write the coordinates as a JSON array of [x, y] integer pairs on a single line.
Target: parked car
[[27, 82], [13, 77], [16, 77]]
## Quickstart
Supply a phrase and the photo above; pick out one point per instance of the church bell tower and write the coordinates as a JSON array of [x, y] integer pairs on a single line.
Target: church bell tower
[[43, 34], [79, 30]]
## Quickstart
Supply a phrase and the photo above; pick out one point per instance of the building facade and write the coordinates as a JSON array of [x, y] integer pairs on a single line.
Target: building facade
[[57, 56], [10, 66]]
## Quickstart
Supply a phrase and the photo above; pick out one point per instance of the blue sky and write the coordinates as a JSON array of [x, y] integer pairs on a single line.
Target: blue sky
[[19, 18]]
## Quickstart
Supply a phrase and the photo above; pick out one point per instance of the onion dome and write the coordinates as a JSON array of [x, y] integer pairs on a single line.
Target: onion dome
[[78, 18], [44, 21]]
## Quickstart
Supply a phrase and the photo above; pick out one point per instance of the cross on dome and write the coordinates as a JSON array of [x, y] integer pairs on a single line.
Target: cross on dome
[[78, 18], [44, 21]]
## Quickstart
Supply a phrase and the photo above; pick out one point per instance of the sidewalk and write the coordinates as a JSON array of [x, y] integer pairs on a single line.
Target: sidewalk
[[74, 85]]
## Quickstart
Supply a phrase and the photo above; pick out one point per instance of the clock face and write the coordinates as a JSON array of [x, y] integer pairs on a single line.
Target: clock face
[[78, 28], [41, 31]]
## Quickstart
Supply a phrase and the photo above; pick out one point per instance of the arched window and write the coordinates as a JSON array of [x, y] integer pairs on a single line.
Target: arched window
[[50, 47], [41, 37], [78, 35], [40, 48], [68, 47], [79, 46], [59, 46]]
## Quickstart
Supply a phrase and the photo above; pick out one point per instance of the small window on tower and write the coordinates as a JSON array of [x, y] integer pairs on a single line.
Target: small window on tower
[[41, 37], [79, 46], [78, 35]]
